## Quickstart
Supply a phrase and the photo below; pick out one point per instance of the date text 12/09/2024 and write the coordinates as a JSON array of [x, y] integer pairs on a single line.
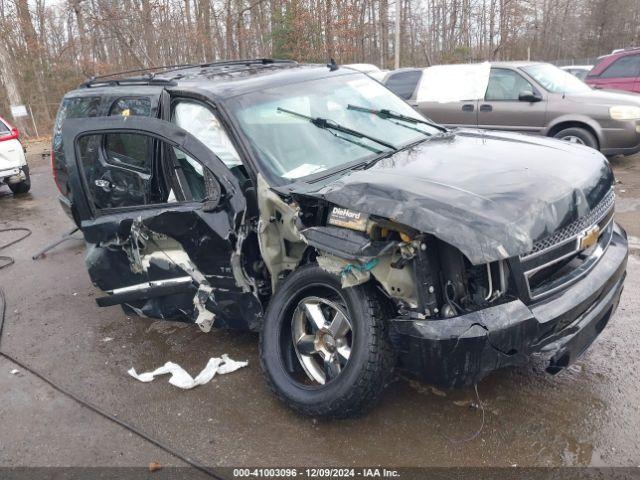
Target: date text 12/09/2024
[[315, 473]]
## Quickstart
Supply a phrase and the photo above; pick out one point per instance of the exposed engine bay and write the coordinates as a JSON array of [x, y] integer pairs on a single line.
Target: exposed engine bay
[[425, 277]]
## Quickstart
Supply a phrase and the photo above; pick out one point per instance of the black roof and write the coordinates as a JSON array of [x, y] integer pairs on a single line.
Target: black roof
[[224, 79]]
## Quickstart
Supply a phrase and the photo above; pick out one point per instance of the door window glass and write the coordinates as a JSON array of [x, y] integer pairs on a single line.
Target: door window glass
[[110, 179], [506, 85], [200, 121], [115, 181], [128, 150], [628, 66], [193, 175], [404, 84]]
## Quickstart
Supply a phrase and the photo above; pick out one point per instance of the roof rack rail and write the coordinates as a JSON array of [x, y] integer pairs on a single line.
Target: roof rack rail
[[143, 80], [150, 78]]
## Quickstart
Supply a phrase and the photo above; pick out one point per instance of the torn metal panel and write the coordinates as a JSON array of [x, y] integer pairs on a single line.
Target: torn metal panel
[[170, 244], [398, 282], [281, 244], [491, 195]]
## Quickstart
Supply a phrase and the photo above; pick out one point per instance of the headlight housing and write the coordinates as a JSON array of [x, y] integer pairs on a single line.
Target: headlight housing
[[624, 112]]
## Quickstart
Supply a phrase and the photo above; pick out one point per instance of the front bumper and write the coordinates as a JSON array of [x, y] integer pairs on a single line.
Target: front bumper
[[620, 138], [13, 175], [460, 351]]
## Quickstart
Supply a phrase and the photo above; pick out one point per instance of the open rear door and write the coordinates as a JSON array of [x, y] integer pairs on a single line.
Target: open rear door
[[160, 214]]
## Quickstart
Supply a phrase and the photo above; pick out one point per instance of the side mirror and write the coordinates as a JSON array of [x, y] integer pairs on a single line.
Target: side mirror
[[213, 191], [529, 96]]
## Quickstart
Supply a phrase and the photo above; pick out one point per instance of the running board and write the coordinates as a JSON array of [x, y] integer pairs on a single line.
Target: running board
[[144, 291]]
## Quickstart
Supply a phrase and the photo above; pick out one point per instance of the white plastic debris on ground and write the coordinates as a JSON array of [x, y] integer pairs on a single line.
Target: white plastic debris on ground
[[181, 379]]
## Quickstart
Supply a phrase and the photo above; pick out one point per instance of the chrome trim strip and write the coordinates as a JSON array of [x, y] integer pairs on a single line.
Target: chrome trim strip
[[546, 250], [528, 273], [157, 283]]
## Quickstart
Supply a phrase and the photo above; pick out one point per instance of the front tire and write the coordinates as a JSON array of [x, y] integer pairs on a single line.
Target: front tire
[[341, 359], [577, 135]]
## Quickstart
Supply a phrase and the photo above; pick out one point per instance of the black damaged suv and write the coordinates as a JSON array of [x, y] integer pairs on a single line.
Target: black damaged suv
[[311, 204]]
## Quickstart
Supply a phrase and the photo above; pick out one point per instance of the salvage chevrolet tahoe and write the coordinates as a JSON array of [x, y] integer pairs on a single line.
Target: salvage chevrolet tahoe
[[312, 205]]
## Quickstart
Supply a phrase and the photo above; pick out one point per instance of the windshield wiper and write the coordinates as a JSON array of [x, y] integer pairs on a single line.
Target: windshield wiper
[[389, 115], [327, 124]]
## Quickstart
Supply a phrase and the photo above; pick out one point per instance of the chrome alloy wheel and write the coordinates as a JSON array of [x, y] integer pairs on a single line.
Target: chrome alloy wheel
[[322, 338], [572, 139]]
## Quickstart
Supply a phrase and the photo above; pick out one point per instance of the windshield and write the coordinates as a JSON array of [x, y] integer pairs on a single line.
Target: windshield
[[291, 146], [555, 80]]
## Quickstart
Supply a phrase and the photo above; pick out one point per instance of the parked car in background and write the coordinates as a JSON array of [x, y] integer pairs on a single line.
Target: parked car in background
[[579, 71], [14, 170], [527, 97], [618, 71]]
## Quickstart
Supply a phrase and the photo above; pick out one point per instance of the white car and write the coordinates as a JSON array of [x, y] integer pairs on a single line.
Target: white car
[[14, 170], [579, 71], [368, 69]]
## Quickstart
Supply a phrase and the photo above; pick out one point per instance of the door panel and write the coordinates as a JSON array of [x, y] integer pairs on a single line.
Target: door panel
[[501, 108], [622, 74], [451, 114], [161, 252]]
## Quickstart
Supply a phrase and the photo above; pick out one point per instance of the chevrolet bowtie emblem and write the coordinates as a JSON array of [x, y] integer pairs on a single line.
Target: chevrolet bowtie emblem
[[589, 237]]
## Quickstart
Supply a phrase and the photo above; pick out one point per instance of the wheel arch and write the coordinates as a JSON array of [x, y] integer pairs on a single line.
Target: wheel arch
[[585, 123]]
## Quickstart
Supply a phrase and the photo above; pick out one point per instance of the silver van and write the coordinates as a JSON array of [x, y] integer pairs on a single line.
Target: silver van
[[529, 97]]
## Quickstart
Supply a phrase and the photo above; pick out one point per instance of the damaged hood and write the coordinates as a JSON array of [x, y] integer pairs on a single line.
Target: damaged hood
[[492, 195]]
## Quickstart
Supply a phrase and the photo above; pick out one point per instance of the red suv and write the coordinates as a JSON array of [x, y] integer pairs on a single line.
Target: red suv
[[620, 71]]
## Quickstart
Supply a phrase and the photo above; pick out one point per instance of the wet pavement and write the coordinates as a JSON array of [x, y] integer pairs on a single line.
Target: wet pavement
[[586, 415]]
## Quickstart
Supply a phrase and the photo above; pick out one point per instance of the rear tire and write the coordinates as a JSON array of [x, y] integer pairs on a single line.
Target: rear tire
[[577, 135], [24, 186], [288, 369]]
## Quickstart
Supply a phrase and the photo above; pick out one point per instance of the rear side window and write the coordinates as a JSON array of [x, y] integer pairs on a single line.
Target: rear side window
[[628, 66], [136, 106], [404, 84], [76, 107]]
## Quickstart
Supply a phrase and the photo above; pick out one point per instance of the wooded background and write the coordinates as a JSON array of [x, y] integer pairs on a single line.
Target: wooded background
[[48, 47]]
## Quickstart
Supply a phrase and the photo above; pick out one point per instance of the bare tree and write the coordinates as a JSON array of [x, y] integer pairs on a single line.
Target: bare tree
[[50, 48]]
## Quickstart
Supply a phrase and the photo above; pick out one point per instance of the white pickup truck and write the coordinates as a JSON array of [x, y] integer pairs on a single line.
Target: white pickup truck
[[14, 170]]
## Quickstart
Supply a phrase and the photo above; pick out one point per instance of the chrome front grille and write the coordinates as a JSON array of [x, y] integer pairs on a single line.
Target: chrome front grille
[[576, 227], [561, 258]]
